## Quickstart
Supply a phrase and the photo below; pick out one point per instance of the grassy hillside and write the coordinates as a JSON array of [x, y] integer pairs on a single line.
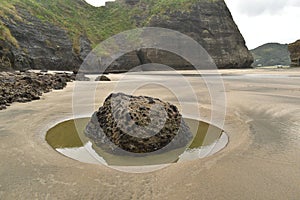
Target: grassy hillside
[[78, 17], [75, 16], [271, 54]]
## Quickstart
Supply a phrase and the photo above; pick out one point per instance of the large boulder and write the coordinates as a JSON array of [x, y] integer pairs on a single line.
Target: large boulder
[[137, 124], [294, 49]]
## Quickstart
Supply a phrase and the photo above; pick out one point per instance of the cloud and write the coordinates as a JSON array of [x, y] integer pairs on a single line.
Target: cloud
[[259, 7], [295, 3], [263, 21], [96, 3]]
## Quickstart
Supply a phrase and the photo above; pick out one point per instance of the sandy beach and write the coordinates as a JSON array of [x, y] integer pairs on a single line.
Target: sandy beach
[[261, 161]]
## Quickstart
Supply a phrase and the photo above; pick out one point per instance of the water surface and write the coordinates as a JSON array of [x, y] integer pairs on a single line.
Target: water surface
[[68, 138]]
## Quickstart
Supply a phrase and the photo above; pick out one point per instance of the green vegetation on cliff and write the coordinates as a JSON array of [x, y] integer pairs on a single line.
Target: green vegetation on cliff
[[78, 18], [75, 16], [271, 54]]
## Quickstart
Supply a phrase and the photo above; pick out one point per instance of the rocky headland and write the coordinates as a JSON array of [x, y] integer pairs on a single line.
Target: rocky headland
[[294, 49], [137, 124], [58, 34]]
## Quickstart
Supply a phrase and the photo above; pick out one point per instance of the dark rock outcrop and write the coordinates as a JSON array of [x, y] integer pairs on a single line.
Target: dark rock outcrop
[[85, 47], [41, 45], [124, 63], [294, 49], [24, 87], [137, 124], [210, 24], [6, 56], [102, 78], [146, 56]]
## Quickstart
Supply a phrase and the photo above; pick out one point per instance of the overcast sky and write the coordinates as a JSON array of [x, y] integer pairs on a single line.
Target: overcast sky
[[261, 21]]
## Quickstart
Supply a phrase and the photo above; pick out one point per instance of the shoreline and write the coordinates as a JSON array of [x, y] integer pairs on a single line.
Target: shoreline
[[255, 158]]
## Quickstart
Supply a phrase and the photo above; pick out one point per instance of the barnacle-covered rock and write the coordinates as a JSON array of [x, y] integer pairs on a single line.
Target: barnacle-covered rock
[[137, 124]]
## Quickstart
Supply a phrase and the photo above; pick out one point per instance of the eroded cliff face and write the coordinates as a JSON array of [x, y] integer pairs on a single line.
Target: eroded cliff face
[[41, 45], [47, 44], [211, 25], [294, 49]]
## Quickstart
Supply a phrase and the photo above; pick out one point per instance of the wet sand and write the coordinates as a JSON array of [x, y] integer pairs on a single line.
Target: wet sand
[[261, 160]]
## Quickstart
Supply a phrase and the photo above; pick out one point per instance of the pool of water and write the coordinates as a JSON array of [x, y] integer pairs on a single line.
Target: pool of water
[[68, 139]]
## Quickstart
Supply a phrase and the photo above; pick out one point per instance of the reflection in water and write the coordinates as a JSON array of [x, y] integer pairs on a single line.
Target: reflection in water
[[68, 138]]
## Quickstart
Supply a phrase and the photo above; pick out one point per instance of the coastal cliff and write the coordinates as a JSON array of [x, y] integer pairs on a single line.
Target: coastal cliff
[[59, 34], [294, 49]]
